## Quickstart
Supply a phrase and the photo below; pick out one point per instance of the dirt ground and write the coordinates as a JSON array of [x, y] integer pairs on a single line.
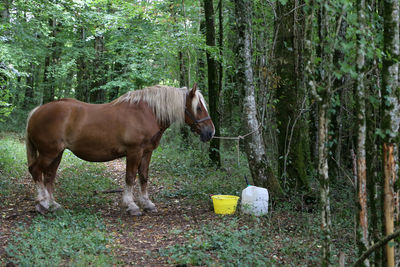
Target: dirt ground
[[136, 239]]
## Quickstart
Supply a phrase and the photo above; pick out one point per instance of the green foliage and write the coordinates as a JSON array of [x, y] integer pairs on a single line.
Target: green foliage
[[12, 165], [79, 180], [15, 122], [225, 243], [72, 237], [77, 239], [140, 46], [12, 158], [187, 173]]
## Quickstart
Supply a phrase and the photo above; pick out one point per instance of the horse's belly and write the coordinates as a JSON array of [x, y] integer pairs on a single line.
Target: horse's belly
[[97, 154], [96, 158]]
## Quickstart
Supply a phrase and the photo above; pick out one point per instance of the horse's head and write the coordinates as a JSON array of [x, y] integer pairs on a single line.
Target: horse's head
[[196, 115]]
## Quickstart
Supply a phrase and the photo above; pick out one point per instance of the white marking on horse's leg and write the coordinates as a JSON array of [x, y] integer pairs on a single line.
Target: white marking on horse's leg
[[127, 200], [53, 204], [144, 200], [43, 198]]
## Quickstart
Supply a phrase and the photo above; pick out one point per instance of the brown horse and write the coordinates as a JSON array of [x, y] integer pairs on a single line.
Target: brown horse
[[130, 126]]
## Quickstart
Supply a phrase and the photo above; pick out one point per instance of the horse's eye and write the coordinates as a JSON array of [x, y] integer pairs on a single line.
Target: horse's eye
[[199, 109]]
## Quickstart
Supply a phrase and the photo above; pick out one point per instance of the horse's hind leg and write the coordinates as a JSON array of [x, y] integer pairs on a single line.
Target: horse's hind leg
[[132, 162], [37, 169], [49, 177], [144, 200]]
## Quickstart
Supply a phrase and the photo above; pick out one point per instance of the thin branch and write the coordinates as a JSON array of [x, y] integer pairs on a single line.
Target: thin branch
[[377, 245], [287, 149], [344, 172], [294, 9]]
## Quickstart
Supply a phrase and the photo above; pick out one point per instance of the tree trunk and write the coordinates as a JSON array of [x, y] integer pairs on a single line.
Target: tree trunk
[[338, 117], [48, 90], [293, 144], [220, 45], [362, 221], [5, 13], [324, 182], [374, 180], [390, 99], [183, 82], [254, 145], [97, 94], [30, 81], [388, 204], [213, 93], [82, 87], [200, 68], [50, 62], [321, 89]]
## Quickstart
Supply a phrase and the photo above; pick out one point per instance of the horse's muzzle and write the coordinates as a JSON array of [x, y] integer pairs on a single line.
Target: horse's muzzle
[[206, 134]]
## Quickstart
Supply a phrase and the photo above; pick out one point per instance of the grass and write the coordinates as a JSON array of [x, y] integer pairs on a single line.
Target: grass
[[12, 165], [188, 174], [73, 238], [287, 236], [225, 243], [79, 180]]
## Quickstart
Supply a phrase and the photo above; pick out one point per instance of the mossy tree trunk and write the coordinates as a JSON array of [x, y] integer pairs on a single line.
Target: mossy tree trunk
[[50, 62], [361, 198], [97, 94], [391, 119], [319, 76], [183, 82], [254, 144], [293, 144], [213, 88]]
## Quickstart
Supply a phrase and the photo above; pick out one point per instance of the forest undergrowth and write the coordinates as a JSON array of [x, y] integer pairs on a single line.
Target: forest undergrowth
[[92, 229]]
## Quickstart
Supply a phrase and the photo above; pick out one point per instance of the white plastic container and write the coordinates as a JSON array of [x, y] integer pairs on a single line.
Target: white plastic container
[[255, 200]]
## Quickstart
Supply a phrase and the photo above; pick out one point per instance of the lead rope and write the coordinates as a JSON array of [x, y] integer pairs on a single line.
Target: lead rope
[[238, 138]]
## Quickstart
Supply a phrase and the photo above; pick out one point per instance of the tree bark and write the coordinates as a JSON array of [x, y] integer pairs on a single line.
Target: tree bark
[[292, 139], [362, 221], [30, 80], [390, 99], [82, 88], [213, 92], [97, 94], [324, 183], [183, 82], [220, 45], [321, 92], [388, 204], [50, 61], [254, 145]]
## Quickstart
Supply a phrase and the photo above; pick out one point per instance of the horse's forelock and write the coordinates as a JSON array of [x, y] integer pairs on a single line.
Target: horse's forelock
[[198, 98]]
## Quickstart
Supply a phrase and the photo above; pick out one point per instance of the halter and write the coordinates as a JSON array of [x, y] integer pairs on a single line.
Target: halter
[[194, 121]]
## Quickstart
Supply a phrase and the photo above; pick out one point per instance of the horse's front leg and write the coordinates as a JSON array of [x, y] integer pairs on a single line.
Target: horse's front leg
[[144, 200], [132, 163]]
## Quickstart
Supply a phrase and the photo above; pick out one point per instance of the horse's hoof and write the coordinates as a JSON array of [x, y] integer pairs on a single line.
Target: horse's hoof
[[41, 209], [55, 206], [151, 210], [135, 212]]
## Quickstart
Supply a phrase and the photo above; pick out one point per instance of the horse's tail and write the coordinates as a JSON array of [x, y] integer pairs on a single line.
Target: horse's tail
[[31, 150]]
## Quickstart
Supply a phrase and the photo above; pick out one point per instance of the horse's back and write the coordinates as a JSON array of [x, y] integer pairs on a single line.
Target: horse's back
[[93, 132], [48, 123], [53, 113]]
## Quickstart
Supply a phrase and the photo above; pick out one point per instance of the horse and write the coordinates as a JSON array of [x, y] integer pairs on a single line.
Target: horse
[[131, 126]]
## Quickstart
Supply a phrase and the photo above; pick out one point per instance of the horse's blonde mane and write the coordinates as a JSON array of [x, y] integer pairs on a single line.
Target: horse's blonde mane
[[168, 103]]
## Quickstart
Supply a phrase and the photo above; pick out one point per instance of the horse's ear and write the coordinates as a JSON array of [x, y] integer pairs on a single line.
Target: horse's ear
[[193, 91]]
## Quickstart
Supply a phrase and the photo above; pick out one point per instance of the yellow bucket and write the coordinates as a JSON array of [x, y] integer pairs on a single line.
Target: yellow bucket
[[224, 204]]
